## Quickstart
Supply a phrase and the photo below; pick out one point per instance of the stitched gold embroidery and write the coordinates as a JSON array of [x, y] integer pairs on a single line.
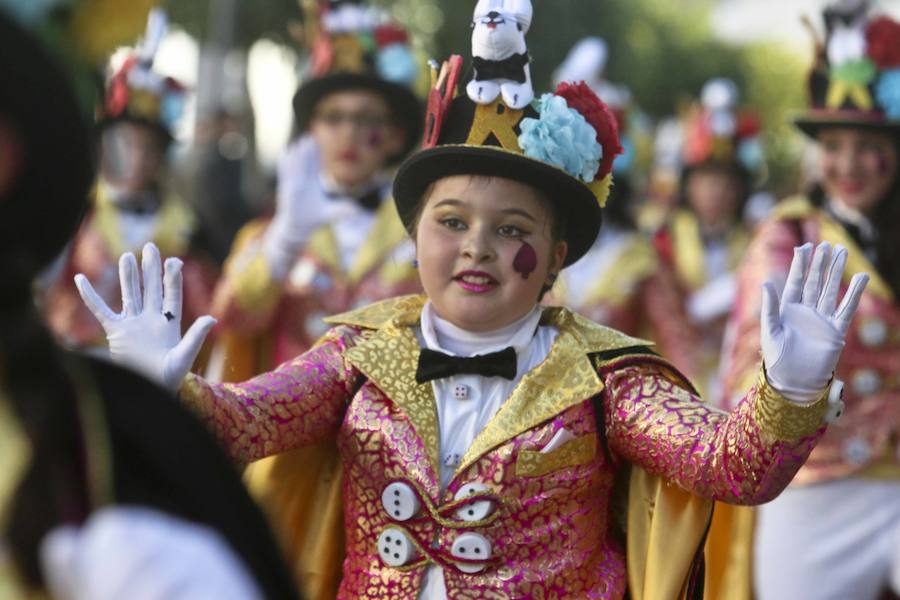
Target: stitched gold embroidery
[[404, 309], [389, 358], [531, 463], [785, 420], [498, 119]]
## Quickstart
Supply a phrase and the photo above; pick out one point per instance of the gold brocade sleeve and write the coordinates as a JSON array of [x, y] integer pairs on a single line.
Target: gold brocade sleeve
[[746, 457], [299, 403]]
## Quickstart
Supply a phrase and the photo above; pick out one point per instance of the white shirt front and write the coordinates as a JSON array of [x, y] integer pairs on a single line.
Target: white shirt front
[[461, 419]]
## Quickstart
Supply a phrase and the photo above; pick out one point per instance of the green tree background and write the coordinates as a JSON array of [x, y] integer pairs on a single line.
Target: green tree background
[[664, 50]]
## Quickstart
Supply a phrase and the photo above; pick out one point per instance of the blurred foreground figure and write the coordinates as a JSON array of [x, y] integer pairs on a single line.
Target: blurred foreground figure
[[132, 204], [95, 503], [835, 533]]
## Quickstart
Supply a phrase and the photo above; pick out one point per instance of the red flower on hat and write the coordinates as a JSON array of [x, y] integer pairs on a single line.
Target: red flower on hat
[[883, 42], [582, 98], [390, 34]]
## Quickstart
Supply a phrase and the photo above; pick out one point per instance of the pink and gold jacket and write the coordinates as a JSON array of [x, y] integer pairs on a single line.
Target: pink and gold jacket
[[95, 252], [277, 321], [865, 441], [551, 528]]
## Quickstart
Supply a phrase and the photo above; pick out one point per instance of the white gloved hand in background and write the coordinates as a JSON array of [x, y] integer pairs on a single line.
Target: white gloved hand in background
[[714, 300], [146, 335], [802, 336], [302, 205], [142, 554]]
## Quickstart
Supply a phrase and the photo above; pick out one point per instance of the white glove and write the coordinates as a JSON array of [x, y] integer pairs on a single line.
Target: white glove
[[802, 338], [302, 206], [142, 554], [146, 336]]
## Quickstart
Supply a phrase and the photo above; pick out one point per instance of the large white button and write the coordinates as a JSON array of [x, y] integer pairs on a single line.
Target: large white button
[[866, 382], [395, 548], [857, 451], [400, 501], [471, 546], [873, 332], [479, 510]]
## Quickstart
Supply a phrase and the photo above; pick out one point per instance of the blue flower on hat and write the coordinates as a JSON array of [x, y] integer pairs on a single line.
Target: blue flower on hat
[[888, 93], [561, 137], [397, 64]]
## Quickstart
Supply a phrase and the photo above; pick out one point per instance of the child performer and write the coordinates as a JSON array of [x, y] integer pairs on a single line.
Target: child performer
[[132, 205], [481, 434], [335, 243], [854, 551]]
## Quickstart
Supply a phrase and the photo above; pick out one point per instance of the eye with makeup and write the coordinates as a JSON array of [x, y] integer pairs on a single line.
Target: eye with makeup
[[452, 223], [511, 231]]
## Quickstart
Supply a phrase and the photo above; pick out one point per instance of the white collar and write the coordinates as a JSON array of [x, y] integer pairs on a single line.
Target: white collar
[[854, 217], [442, 336]]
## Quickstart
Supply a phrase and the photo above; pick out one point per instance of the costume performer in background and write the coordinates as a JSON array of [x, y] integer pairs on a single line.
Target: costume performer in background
[[335, 243], [852, 548], [705, 239], [481, 433], [620, 282], [94, 501], [132, 205]]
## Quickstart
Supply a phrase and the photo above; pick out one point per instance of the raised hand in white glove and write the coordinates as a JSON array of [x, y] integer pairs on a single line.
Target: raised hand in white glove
[[803, 335], [302, 206], [146, 335], [142, 554]]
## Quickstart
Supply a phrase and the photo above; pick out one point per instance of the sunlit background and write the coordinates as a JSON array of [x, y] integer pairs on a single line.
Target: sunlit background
[[240, 57]]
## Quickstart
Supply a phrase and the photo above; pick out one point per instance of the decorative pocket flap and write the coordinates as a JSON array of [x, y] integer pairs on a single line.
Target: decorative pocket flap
[[578, 451]]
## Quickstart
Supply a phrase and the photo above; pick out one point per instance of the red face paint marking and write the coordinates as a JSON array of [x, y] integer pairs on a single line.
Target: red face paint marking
[[525, 261]]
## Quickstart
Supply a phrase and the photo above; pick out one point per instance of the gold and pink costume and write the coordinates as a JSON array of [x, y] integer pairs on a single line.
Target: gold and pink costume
[[550, 527], [276, 321], [95, 252], [865, 440]]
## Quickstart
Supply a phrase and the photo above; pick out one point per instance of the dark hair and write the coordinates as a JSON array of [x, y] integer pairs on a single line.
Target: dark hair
[[886, 220], [739, 175], [38, 215]]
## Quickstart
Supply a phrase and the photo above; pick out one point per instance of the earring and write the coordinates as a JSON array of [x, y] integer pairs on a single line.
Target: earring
[[553, 277], [415, 263]]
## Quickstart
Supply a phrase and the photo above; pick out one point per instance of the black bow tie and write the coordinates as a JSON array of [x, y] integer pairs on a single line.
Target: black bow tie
[[370, 201], [437, 365], [512, 68]]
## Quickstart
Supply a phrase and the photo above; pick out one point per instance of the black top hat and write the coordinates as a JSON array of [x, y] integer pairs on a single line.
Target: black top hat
[[855, 80], [563, 143], [355, 47]]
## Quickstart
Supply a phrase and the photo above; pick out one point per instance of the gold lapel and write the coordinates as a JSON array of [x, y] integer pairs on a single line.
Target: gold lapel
[[688, 248], [172, 233], [323, 246], [386, 233], [636, 262], [389, 358], [564, 379], [857, 261]]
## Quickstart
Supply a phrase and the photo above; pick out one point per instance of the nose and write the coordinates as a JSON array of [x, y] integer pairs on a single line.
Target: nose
[[477, 246]]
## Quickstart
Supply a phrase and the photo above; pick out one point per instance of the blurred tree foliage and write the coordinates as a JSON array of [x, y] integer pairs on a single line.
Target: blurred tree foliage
[[255, 18], [663, 50]]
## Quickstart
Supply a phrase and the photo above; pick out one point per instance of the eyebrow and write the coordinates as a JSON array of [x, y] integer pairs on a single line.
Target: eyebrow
[[507, 211]]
